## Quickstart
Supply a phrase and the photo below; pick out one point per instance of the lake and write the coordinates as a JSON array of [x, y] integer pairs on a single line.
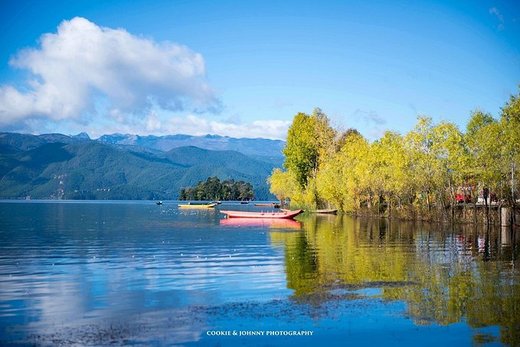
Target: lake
[[118, 273]]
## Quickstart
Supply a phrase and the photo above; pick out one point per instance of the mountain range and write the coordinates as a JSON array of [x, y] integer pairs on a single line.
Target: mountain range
[[257, 147], [117, 166]]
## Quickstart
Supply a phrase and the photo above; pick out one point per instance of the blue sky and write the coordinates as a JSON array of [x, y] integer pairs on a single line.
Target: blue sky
[[245, 68]]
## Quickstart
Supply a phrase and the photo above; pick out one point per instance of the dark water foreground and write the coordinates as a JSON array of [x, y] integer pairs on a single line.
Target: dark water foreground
[[114, 273]]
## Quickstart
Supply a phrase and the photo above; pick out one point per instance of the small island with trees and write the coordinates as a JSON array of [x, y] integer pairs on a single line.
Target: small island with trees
[[214, 189]]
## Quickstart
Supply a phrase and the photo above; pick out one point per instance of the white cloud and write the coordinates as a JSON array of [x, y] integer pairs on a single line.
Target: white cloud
[[194, 125], [83, 65], [495, 12], [191, 124], [153, 123], [101, 80]]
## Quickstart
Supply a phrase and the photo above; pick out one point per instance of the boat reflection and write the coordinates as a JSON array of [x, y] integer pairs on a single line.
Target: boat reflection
[[273, 223]]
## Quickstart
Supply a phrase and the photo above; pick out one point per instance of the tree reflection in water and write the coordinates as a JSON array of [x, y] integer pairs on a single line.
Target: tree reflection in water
[[445, 274]]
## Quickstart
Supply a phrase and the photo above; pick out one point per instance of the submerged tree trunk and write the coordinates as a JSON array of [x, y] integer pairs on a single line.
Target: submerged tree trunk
[[485, 194], [513, 198], [389, 207], [453, 202]]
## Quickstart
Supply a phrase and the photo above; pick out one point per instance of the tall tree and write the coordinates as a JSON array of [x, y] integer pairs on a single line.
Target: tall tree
[[510, 121], [310, 140], [301, 151], [485, 150]]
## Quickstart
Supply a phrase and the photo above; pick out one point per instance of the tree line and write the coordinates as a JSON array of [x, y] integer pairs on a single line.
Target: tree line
[[214, 189], [418, 174]]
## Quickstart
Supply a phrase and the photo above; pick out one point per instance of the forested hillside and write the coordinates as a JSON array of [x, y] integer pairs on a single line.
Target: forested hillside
[[75, 167]]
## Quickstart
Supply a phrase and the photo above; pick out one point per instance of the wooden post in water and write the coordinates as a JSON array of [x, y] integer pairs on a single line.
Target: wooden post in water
[[505, 236], [485, 193], [513, 198], [505, 216]]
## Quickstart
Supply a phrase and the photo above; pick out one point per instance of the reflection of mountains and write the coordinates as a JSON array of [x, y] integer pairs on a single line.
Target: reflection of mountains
[[443, 276], [262, 222]]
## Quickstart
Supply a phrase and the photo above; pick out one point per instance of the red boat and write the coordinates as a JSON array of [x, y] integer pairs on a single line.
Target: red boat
[[287, 214]]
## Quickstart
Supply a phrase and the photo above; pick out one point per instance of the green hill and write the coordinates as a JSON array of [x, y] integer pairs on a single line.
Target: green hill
[[63, 167]]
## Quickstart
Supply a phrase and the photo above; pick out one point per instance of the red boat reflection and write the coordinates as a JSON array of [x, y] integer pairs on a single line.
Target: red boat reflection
[[274, 223]]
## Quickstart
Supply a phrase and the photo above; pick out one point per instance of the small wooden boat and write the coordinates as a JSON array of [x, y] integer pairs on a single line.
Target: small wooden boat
[[268, 215], [269, 204], [199, 206], [159, 202], [326, 211], [244, 202]]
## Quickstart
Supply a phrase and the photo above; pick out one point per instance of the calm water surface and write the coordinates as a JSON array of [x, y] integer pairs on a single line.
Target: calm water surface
[[113, 273]]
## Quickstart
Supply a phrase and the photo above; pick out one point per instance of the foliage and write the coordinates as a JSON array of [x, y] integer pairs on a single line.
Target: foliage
[[485, 150], [214, 189], [301, 152], [309, 141], [414, 175], [510, 122], [283, 184]]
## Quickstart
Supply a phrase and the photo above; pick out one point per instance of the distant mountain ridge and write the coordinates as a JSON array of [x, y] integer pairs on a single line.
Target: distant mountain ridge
[[117, 167], [249, 146]]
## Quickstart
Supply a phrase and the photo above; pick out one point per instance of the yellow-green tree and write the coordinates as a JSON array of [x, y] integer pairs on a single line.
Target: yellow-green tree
[[283, 184], [419, 146], [301, 150], [450, 153], [397, 186], [310, 141], [352, 166], [510, 122], [483, 134]]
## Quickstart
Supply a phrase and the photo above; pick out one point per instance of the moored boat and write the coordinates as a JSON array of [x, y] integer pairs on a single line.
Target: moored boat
[[326, 211], [287, 214], [199, 206], [269, 204]]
